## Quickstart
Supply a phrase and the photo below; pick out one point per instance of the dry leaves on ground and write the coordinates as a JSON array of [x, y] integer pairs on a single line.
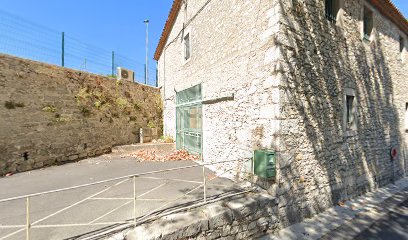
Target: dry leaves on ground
[[156, 156]]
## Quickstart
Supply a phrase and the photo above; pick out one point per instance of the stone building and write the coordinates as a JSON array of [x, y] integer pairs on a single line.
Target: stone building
[[324, 84]]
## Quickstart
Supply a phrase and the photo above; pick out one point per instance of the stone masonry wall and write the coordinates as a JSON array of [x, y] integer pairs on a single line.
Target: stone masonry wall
[[319, 164], [238, 218], [287, 68], [50, 115], [231, 56]]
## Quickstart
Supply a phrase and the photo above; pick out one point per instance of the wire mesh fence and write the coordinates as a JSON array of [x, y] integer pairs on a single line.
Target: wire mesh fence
[[26, 39]]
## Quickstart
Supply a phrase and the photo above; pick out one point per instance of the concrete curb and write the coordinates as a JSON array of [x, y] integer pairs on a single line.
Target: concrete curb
[[161, 147], [346, 222]]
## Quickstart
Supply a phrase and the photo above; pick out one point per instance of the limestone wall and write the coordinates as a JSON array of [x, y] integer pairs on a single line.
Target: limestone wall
[[231, 56], [319, 164], [288, 68], [50, 115]]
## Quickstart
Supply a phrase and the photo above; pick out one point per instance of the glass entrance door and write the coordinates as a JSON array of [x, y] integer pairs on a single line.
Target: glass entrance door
[[189, 120]]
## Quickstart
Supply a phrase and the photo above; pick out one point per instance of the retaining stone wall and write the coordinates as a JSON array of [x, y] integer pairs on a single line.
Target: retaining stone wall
[[243, 217], [50, 115]]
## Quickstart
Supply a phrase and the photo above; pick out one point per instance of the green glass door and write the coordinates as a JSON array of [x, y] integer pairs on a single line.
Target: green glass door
[[189, 120]]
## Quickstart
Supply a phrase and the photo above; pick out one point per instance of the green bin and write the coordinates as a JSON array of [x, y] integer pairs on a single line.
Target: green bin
[[264, 163]]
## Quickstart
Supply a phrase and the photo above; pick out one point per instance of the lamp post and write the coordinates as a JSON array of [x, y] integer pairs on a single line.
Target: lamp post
[[147, 51]]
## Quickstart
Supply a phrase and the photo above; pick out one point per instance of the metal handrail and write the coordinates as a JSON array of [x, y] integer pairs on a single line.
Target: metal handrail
[[124, 224], [112, 180]]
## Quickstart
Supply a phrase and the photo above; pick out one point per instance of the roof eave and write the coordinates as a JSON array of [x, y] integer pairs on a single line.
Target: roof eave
[[167, 28], [385, 7]]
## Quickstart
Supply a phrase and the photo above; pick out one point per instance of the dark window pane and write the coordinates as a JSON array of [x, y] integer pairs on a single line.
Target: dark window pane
[[332, 8], [368, 22], [401, 41], [350, 106], [187, 46]]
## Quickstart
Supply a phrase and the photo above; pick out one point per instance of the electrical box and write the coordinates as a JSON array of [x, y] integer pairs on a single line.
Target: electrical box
[[264, 163]]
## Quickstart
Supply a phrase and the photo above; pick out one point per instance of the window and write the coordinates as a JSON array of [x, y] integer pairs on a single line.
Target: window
[[406, 117], [401, 43], [187, 47], [368, 23], [350, 111], [332, 9]]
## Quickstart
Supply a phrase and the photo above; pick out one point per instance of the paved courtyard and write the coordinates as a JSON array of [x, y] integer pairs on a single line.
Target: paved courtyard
[[100, 204]]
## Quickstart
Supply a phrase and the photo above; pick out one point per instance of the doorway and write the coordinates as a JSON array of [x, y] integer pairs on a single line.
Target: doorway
[[189, 120]]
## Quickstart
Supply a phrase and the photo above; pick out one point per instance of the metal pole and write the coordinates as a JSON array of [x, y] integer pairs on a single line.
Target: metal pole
[[147, 50], [63, 50], [113, 63], [145, 73], [28, 218], [204, 185], [157, 74], [134, 200]]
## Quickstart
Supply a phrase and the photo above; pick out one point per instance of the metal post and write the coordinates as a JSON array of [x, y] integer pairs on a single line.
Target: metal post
[[28, 218], [113, 63], [204, 184], [145, 73], [147, 50], [253, 167], [157, 75], [63, 50], [134, 200]]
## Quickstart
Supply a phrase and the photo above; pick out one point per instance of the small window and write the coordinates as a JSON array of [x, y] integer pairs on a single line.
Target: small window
[[401, 43], [332, 9], [350, 111], [187, 47], [406, 116], [368, 23]]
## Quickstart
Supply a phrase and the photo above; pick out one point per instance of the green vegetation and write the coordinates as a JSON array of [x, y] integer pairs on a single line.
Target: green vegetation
[[122, 103], [98, 104], [49, 108], [111, 76], [60, 119], [167, 139], [151, 124]]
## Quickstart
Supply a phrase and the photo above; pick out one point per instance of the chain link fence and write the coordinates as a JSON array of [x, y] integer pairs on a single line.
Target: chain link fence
[[22, 38]]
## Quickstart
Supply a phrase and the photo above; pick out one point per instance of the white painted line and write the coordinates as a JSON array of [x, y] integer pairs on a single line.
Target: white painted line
[[139, 199], [181, 180], [161, 185], [171, 201], [113, 210], [66, 208], [151, 190]]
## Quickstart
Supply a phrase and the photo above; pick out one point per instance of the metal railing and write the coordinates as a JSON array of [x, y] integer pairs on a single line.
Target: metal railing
[[29, 225]]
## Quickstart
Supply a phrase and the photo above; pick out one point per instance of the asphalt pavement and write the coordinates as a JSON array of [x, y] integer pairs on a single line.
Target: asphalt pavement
[[64, 215], [392, 227]]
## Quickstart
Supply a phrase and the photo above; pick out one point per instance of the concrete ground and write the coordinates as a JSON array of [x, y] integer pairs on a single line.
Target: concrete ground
[[391, 227], [361, 218], [104, 203]]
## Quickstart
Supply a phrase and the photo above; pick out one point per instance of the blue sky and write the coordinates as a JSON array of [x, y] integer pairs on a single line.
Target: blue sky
[[109, 24], [402, 5]]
